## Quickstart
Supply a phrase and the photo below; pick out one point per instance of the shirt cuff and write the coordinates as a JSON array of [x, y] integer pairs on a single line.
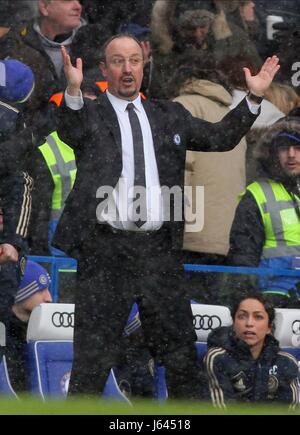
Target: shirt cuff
[[254, 108], [74, 103]]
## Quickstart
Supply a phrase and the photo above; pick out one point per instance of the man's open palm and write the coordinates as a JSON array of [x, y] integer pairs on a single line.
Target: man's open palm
[[261, 82], [74, 74]]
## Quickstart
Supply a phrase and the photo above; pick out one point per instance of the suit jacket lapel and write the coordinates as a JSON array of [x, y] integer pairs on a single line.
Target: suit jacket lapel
[[157, 137], [109, 117]]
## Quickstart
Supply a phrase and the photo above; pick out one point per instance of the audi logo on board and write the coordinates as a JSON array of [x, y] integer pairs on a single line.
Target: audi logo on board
[[63, 320], [207, 323], [296, 327]]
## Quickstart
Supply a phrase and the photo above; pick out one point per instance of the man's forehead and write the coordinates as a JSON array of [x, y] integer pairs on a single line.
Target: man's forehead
[[124, 44]]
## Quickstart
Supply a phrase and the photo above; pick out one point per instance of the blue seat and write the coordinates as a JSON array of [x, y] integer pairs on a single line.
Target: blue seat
[[206, 319], [50, 365], [50, 353], [5, 386]]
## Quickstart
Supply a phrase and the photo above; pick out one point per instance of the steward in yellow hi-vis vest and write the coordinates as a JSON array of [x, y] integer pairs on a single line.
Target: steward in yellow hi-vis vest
[[61, 163], [266, 229]]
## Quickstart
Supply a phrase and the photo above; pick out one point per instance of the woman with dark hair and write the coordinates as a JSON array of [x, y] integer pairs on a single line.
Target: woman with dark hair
[[244, 362]]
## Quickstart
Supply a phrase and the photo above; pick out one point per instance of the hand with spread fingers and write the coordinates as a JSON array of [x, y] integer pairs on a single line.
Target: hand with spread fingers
[[258, 84], [74, 74], [8, 253]]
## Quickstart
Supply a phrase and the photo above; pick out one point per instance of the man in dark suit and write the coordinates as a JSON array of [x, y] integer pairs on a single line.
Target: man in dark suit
[[127, 246]]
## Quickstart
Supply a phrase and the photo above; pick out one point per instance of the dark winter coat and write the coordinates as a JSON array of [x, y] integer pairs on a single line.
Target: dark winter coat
[[15, 200], [234, 375], [25, 46], [15, 188], [11, 121]]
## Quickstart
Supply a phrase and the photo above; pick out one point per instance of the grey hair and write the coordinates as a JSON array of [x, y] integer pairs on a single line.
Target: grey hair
[[34, 6]]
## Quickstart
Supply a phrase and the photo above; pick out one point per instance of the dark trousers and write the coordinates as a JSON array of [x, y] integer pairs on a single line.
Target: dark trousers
[[115, 270]]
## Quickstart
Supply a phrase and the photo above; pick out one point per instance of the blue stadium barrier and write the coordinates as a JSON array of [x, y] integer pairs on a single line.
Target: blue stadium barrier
[[59, 263], [242, 270]]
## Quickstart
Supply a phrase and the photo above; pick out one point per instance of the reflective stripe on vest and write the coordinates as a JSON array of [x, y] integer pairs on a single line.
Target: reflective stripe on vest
[[60, 160], [281, 222]]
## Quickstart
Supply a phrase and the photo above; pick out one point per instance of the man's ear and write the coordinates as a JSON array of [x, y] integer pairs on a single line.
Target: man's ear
[[102, 67], [43, 10]]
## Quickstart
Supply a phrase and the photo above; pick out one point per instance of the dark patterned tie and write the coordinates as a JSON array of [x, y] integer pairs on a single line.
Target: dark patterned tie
[[139, 162]]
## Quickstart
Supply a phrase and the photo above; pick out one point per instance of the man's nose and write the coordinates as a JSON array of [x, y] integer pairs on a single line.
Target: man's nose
[[292, 152], [127, 66], [47, 297], [77, 4]]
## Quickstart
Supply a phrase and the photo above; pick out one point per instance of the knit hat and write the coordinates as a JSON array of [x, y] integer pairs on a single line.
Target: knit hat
[[35, 279], [286, 132], [134, 29], [286, 139], [16, 81]]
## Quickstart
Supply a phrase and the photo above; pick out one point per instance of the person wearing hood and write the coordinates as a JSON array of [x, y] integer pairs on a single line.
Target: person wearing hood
[[33, 291], [180, 25], [16, 86], [266, 228], [244, 362]]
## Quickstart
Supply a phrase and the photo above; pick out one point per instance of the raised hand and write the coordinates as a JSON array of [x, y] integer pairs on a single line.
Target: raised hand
[[8, 253], [260, 83], [74, 74]]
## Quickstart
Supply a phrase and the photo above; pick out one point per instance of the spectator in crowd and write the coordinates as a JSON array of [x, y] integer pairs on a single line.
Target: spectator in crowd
[[16, 85], [12, 15], [15, 203], [138, 243], [203, 91], [242, 14], [244, 362], [33, 291], [284, 97], [285, 33], [266, 228], [38, 45], [172, 25], [112, 15]]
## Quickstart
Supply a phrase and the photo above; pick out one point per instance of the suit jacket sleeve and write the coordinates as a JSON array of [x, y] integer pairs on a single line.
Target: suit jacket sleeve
[[15, 199], [76, 126], [220, 136]]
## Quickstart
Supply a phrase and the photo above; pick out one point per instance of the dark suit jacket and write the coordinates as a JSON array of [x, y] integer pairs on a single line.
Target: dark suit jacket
[[95, 135]]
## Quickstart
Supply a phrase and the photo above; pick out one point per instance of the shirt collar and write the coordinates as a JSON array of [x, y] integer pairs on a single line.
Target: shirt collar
[[121, 105]]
